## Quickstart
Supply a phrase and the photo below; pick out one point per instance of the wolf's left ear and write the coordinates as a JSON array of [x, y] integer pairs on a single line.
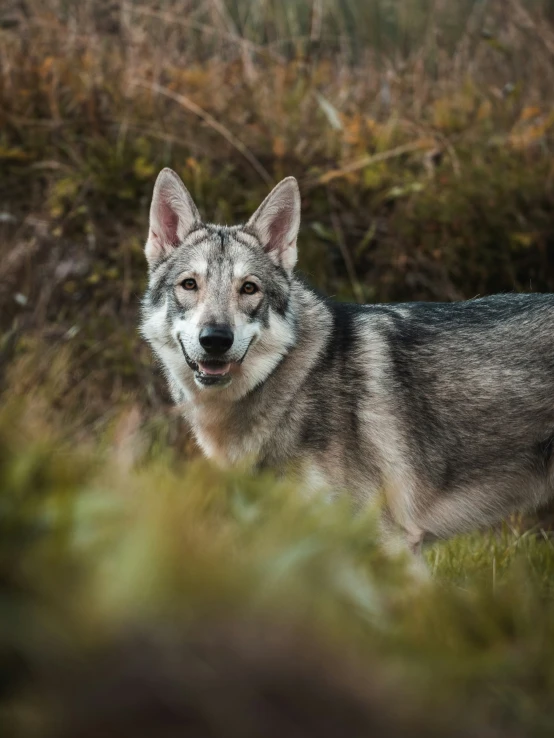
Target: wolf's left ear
[[172, 215], [277, 221]]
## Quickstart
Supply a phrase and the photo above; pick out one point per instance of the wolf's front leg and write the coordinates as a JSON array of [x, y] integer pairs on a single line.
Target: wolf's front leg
[[398, 541]]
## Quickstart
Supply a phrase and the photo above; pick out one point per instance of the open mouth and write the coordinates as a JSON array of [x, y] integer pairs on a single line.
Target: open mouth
[[210, 372], [213, 368]]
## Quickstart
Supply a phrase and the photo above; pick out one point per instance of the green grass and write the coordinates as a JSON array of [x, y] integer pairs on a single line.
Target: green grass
[[95, 544]]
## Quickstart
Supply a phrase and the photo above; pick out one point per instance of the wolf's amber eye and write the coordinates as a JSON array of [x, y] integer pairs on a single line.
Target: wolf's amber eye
[[189, 284], [249, 288]]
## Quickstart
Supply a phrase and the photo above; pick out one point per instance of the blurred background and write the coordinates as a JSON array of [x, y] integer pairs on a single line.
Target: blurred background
[[138, 584], [420, 132]]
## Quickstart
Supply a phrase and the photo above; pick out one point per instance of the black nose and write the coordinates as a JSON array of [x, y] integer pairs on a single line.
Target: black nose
[[216, 339]]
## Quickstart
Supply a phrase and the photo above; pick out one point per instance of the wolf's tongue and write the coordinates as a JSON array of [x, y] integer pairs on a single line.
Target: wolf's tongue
[[214, 368]]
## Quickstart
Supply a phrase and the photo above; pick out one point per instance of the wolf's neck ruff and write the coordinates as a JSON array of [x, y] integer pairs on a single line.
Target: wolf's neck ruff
[[444, 409]]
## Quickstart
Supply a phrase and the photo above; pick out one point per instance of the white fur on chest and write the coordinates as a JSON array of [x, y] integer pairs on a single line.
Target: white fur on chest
[[212, 428]]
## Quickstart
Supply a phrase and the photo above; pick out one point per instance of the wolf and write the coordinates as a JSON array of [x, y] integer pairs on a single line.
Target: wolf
[[444, 411]]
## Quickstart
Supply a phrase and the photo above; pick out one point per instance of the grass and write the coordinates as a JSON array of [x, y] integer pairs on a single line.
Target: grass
[[101, 547], [421, 135]]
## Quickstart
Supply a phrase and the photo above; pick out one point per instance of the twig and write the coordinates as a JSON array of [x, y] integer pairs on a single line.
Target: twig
[[367, 161], [356, 287], [192, 107]]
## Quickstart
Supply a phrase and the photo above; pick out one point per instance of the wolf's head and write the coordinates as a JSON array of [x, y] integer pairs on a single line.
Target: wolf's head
[[217, 306]]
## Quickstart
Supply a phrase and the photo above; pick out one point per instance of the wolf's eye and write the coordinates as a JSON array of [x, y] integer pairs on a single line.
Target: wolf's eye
[[189, 284], [249, 288]]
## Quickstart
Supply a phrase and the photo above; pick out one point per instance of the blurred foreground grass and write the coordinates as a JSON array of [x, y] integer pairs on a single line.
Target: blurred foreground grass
[[145, 594], [141, 594]]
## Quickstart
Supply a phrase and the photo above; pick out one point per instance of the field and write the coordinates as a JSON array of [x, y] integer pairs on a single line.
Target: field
[[421, 133]]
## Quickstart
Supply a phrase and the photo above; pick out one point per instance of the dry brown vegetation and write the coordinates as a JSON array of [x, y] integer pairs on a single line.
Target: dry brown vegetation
[[421, 137]]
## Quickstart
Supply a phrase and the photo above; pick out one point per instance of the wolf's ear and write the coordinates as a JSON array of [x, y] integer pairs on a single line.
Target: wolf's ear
[[276, 223], [172, 215]]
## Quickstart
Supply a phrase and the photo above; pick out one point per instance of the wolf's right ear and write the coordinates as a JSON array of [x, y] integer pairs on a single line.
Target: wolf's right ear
[[172, 215]]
